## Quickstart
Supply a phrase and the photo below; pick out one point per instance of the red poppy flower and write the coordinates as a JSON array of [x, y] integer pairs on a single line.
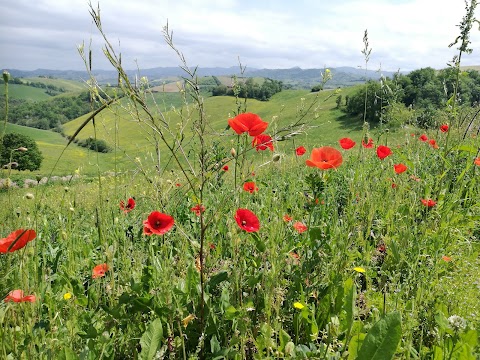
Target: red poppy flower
[[368, 145], [127, 207], [399, 168], [383, 152], [444, 128], [198, 209], [287, 218], [477, 161], [247, 220], [325, 158], [147, 230], [295, 257], [262, 142], [250, 187], [300, 150], [99, 271], [346, 143], [428, 202], [16, 240], [225, 168], [157, 223], [178, 184], [300, 227], [433, 143], [17, 296], [446, 258], [248, 122], [382, 248], [423, 138]]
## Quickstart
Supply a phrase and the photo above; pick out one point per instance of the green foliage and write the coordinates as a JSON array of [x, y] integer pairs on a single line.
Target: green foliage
[[251, 89], [49, 114], [151, 340], [206, 288], [383, 338], [97, 145], [426, 91], [375, 102], [31, 159]]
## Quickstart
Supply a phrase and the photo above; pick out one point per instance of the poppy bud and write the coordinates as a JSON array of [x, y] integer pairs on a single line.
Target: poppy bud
[[6, 76], [233, 152], [276, 157]]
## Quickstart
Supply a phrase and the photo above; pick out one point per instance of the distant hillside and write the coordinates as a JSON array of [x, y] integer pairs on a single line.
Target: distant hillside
[[296, 77]]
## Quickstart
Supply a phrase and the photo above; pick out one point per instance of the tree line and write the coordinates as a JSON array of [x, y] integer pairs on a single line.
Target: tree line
[[48, 114], [50, 89], [418, 97], [250, 89]]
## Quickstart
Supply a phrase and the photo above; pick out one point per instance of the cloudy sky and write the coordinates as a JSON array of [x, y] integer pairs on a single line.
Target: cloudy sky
[[403, 34]]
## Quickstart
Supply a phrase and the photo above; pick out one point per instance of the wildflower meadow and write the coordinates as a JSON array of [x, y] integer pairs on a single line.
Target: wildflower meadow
[[243, 240]]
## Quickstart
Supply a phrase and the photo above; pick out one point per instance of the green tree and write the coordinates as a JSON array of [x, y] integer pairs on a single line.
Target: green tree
[[356, 101], [13, 150]]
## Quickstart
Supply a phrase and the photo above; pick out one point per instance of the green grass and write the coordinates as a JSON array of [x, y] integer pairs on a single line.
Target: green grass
[[24, 92], [273, 293], [68, 85], [52, 144], [135, 139]]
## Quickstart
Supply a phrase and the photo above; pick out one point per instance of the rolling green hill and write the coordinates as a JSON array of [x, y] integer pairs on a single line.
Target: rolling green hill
[[68, 85], [52, 144], [134, 138], [24, 92]]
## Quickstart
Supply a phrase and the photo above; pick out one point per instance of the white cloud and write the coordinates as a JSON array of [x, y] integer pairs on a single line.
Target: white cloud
[[404, 34]]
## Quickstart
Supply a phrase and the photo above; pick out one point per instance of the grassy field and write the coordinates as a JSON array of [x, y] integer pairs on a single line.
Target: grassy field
[[52, 145], [343, 263], [232, 253], [68, 85], [135, 139], [24, 92]]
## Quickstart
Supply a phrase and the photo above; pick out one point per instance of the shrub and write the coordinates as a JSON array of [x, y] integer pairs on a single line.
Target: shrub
[[31, 159]]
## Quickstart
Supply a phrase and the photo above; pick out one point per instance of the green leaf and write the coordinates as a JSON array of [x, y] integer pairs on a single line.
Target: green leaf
[[214, 345], [260, 245], [67, 354], [217, 279], [382, 340], [470, 338], [350, 295], [284, 339], [467, 148], [354, 344], [231, 313], [151, 340]]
